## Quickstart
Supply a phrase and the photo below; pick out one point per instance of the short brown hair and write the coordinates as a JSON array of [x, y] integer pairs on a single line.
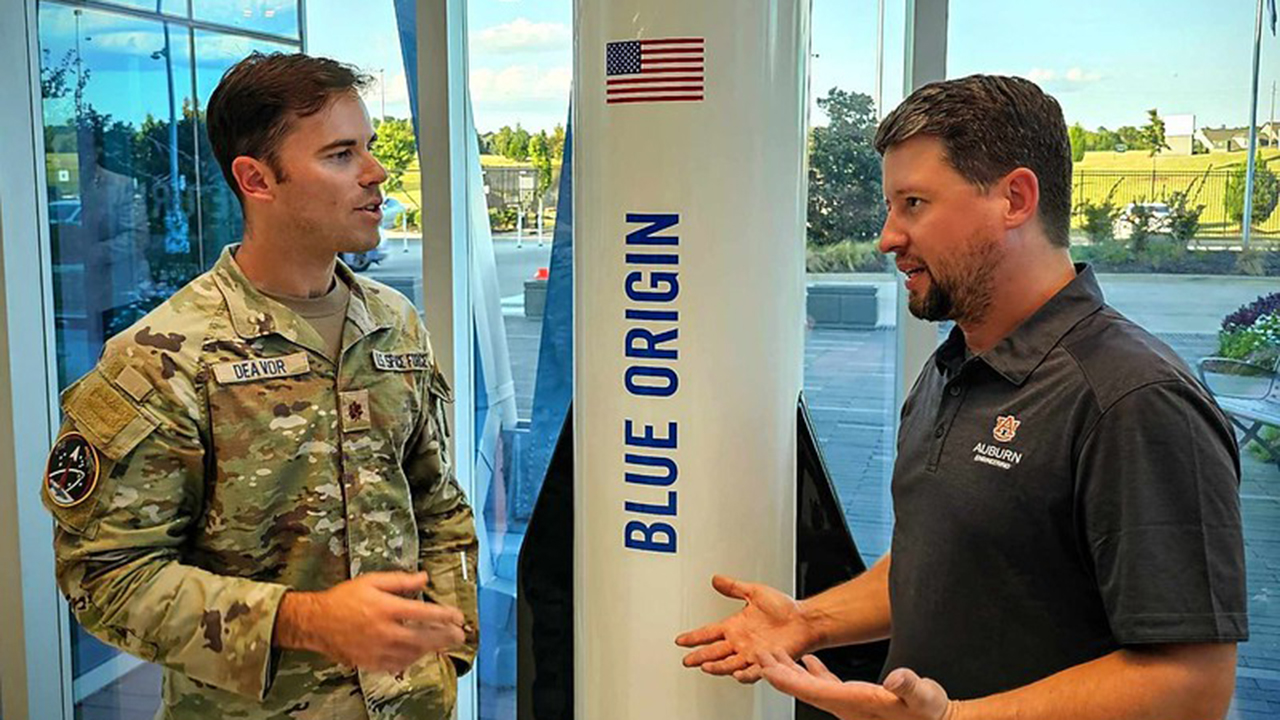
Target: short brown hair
[[252, 108], [989, 126]]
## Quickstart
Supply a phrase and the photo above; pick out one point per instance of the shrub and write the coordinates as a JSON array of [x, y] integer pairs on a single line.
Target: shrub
[[1248, 314], [845, 256], [1266, 191], [1099, 220], [1184, 219]]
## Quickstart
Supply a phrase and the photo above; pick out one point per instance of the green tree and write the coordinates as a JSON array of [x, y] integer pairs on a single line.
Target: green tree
[[557, 142], [500, 140], [1266, 191], [1079, 141], [397, 149], [845, 197], [540, 157], [518, 147], [1131, 137], [1152, 134]]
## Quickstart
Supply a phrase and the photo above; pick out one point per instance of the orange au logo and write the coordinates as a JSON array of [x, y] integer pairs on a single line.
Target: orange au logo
[[1006, 428]]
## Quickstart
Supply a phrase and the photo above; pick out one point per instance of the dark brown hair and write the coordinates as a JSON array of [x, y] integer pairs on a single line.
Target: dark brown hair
[[251, 110], [989, 126]]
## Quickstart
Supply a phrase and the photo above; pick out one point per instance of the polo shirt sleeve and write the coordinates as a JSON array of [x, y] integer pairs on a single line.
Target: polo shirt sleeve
[[1157, 490]]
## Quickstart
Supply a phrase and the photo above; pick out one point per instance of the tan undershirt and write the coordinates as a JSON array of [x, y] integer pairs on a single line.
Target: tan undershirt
[[327, 314]]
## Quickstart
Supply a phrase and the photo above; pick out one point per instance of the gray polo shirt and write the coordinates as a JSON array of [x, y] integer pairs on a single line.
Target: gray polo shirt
[[1071, 491]]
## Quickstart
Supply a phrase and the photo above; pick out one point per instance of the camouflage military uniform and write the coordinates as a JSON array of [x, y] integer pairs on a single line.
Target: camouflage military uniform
[[234, 461]]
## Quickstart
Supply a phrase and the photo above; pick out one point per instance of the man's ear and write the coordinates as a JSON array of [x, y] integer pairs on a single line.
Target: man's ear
[[1022, 195], [255, 178]]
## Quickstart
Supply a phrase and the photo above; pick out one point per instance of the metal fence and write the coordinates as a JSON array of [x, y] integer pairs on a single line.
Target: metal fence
[[502, 186], [1207, 188]]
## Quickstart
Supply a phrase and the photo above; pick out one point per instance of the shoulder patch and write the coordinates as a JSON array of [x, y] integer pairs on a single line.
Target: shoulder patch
[[71, 473]]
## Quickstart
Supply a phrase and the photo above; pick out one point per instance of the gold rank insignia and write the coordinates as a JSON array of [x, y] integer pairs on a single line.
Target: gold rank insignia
[[71, 473]]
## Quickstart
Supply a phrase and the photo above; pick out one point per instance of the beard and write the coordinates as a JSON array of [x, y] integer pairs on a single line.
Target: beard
[[963, 291]]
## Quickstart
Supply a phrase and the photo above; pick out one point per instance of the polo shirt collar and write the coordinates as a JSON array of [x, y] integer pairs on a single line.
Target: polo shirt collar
[[1022, 351]]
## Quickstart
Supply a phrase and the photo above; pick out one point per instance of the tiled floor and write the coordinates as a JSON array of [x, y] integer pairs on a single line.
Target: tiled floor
[[848, 383]]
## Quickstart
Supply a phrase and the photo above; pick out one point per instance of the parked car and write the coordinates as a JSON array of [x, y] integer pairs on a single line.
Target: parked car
[[1158, 214], [392, 209]]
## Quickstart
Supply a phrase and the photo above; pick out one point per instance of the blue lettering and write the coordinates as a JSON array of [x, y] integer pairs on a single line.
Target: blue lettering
[[648, 439], [657, 223], [657, 280], [649, 343], [668, 509], [667, 376], [667, 465], [646, 541]]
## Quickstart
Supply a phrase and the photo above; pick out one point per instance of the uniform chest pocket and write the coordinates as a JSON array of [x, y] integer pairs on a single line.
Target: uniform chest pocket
[[395, 388]]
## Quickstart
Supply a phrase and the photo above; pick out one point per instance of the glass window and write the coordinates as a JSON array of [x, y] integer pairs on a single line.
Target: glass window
[[1161, 222], [168, 7], [275, 17], [851, 343], [137, 208], [521, 64], [220, 220]]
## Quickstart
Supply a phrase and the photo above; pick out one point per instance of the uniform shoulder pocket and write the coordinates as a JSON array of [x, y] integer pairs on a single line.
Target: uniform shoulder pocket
[[111, 422]]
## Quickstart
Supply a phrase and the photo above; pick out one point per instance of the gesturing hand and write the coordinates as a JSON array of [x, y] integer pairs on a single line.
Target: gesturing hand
[[904, 695], [770, 621], [368, 622]]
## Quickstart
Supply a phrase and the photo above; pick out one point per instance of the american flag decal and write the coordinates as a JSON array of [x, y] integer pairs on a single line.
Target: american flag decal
[[656, 70]]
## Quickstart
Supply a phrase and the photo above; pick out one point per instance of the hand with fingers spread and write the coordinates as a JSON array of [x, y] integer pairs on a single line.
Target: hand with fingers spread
[[770, 621], [373, 622], [904, 695]]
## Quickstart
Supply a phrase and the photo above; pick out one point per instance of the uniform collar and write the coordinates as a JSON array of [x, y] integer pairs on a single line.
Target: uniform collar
[[1022, 351], [254, 315]]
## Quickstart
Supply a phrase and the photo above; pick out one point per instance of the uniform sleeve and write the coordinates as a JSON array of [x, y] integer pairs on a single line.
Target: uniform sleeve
[[1158, 481], [446, 527], [119, 547]]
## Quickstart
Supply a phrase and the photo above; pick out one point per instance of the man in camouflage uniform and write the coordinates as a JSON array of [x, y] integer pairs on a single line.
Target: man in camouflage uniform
[[267, 510]]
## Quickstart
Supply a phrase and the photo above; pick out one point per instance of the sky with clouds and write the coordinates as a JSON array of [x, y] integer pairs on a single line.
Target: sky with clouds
[[1107, 61]]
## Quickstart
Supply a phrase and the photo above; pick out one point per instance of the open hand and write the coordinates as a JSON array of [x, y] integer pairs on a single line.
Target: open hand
[[904, 695], [771, 621]]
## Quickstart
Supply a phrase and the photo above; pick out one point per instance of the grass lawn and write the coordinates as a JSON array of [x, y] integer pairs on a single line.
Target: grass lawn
[[1129, 179]]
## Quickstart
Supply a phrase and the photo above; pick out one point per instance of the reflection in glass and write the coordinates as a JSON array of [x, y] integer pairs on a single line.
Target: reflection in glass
[[276, 17], [137, 207], [221, 222], [168, 7]]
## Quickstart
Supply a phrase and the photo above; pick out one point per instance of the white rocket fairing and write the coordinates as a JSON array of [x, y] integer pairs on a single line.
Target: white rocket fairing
[[690, 187]]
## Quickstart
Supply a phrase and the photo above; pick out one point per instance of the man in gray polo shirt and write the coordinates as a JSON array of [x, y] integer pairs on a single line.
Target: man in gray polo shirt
[[1067, 539]]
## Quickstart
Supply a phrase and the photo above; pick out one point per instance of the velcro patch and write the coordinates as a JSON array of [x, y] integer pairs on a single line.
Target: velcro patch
[[71, 473], [402, 362], [355, 410], [241, 371], [134, 383], [110, 422]]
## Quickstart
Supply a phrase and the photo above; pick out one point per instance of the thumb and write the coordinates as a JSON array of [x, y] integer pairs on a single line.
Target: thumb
[[729, 587], [904, 683], [398, 583], [920, 694]]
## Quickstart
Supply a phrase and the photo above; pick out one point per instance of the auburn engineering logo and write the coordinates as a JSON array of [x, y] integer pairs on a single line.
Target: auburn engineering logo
[[1006, 428]]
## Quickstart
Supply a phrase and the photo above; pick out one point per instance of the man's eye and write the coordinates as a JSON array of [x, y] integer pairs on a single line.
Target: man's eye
[[913, 202], [342, 155]]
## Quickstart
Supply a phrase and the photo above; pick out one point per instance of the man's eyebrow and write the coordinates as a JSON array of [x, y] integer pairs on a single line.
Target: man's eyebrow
[[344, 143]]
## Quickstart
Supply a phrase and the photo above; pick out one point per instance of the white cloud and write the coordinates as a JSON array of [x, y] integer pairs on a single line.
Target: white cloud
[[521, 35], [397, 95], [1068, 79], [520, 83]]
